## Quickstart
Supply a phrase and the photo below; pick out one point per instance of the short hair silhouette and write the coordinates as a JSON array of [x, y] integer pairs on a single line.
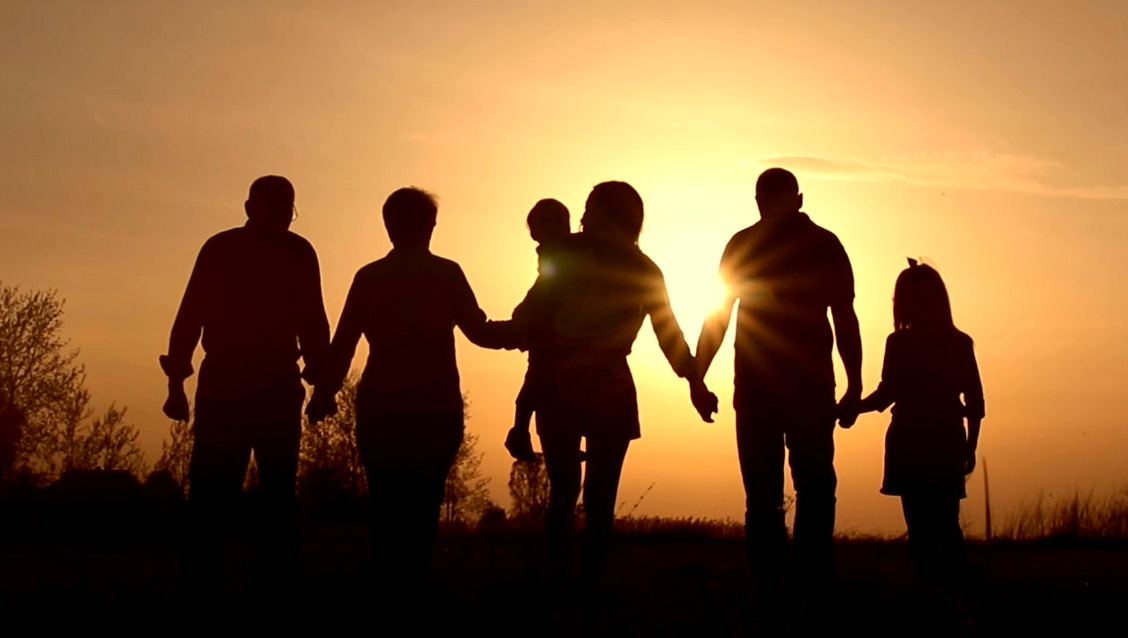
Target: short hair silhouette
[[775, 183], [548, 220], [271, 197], [410, 215], [920, 299], [615, 208]]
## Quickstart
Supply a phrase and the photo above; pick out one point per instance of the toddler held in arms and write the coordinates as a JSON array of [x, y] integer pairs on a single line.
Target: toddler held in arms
[[549, 226]]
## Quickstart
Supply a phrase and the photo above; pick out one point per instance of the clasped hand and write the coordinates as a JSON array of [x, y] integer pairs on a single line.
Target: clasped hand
[[704, 401], [321, 406]]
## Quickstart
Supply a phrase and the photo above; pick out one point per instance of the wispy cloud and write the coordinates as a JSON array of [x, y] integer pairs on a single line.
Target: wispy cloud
[[978, 171]]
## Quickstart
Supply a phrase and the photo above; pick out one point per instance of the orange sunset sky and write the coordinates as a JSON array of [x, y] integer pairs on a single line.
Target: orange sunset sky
[[990, 137]]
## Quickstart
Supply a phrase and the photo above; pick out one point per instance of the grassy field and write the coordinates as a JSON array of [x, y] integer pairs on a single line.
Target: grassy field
[[667, 578]]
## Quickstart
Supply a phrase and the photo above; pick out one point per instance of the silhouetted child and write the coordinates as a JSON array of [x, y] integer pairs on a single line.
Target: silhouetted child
[[928, 365], [549, 226]]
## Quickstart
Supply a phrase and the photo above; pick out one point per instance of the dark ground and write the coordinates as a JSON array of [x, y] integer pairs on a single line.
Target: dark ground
[[489, 582]]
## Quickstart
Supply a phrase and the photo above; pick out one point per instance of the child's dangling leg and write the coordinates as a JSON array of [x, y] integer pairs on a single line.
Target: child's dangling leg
[[519, 441]]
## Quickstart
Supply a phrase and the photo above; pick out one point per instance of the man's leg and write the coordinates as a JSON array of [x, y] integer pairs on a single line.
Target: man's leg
[[759, 443], [605, 457], [810, 444], [562, 463], [221, 450], [276, 445]]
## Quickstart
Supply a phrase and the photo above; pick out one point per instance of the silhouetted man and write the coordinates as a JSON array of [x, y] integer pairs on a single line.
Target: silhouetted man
[[255, 295], [409, 403], [786, 271]]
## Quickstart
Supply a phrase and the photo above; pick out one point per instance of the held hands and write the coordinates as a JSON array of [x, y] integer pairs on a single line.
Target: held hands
[[176, 405], [520, 444], [704, 401], [321, 406], [849, 408]]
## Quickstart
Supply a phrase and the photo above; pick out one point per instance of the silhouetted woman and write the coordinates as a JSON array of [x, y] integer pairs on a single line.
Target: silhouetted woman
[[929, 365], [592, 306]]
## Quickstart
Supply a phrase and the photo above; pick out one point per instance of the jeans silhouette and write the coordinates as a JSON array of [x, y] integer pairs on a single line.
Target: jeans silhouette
[[761, 437], [227, 429], [406, 460]]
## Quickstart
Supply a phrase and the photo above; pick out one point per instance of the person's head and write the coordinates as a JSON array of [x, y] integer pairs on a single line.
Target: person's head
[[409, 216], [549, 221], [920, 299], [777, 192], [613, 210], [271, 202]]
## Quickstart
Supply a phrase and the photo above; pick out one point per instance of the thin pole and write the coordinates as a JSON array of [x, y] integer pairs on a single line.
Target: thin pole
[[987, 499]]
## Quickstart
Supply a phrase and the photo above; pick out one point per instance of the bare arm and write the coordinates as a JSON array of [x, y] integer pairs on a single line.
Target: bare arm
[[849, 339], [712, 334], [670, 337], [716, 324]]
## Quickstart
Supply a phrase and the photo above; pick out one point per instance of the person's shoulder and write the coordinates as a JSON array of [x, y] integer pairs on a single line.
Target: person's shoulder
[[297, 244], [372, 270], [224, 240], [821, 232], [742, 238], [746, 233], [443, 264], [963, 339], [897, 338], [226, 236]]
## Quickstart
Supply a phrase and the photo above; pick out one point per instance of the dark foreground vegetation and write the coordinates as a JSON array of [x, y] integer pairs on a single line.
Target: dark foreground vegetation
[[93, 569]]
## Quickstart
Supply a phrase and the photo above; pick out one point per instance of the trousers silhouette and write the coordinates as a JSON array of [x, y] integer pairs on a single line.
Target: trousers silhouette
[[227, 429], [406, 460], [761, 439]]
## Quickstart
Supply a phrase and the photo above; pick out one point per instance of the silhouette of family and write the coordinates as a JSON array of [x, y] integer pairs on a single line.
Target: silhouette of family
[[254, 298]]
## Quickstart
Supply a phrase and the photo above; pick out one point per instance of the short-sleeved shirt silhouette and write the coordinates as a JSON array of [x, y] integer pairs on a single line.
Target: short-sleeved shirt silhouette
[[255, 295], [786, 271], [406, 305], [925, 374]]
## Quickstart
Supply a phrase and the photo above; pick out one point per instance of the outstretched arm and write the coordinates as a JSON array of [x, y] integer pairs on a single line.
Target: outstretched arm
[[471, 320]]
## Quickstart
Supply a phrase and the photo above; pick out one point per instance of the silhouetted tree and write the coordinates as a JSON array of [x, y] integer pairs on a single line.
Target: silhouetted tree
[[176, 453], [467, 493], [39, 379], [528, 489], [46, 424], [106, 443], [329, 466]]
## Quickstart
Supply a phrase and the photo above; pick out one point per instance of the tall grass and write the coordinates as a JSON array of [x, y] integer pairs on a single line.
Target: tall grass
[[1076, 516]]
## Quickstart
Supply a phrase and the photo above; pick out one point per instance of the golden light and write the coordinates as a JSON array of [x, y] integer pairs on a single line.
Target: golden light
[[695, 293]]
